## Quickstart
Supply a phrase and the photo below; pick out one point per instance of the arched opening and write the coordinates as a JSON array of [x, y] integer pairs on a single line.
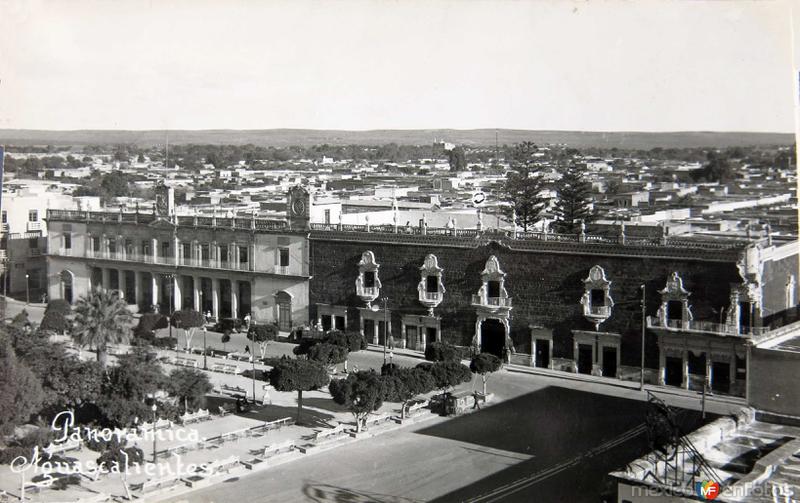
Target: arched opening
[[493, 337], [67, 281], [284, 302]]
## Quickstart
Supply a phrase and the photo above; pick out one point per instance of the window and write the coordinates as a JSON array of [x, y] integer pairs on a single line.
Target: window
[[369, 279], [284, 257], [165, 248], [327, 216], [242, 254], [33, 243], [5, 217], [33, 215], [493, 289], [112, 245], [204, 252], [129, 246], [187, 250], [67, 241], [223, 253], [432, 284], [96, 243], [598, 297]]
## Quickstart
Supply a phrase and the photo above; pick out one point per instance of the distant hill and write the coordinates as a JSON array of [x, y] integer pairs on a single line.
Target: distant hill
[[473, 137]]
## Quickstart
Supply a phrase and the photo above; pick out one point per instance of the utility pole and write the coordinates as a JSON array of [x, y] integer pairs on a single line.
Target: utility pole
[[644, 327]]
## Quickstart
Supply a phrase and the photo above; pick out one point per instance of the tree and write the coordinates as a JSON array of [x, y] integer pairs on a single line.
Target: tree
[[115, 184], [54, 322], [573, 203], [101, 318], [190, 386], [226, 338], [298, 375], [262, 335], [189, 320], [412, 382], [135, 376], [148, 324], [59, 306], [361, 392], [457, 159], [440, 351], [327, 354], [522, 191], [717, 169], [449, 374], [483, 364], [20, 392]]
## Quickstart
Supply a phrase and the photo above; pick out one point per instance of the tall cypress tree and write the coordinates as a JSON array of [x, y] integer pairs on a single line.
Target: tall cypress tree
[[573, 204], [523, 187]]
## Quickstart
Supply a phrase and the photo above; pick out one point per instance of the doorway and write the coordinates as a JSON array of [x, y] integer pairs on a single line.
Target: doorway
[[673, 371], [721, 372], [610, 362], [543, 353], [493, 337], [584, 358]]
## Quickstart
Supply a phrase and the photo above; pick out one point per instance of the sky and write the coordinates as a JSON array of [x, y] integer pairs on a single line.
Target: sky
[[647, 65]]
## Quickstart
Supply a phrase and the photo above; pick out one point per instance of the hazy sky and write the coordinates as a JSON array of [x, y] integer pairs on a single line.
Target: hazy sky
[[601, 65]]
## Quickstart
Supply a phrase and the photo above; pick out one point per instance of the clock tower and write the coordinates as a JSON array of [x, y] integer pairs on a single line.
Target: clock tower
[[165, 200], [298, 211]]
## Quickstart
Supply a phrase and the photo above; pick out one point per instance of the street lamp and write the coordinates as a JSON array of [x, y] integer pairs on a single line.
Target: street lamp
[[644, 324], [205, 362], [152, 399], [27, 289]]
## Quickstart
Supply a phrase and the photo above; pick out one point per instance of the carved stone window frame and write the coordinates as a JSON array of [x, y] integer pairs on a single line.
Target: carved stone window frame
[[492, 272], [674, 291], [596, 281], [368, 264], [430, 267]]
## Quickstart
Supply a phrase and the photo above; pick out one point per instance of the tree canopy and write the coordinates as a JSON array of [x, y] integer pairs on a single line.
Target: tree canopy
[[484, 364], [190, 386], [440, 351], [290, 374], [361, 392], [573, 203], [263, 335], [101, 318]]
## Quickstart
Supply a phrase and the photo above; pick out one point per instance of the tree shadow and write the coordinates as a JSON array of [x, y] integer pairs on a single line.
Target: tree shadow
[[324, 403]]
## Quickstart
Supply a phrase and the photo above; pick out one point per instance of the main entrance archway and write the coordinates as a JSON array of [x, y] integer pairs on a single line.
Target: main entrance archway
[[493, 337], [67, 285]]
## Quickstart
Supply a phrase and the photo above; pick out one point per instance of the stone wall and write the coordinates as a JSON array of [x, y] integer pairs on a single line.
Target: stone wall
[[545, 287]]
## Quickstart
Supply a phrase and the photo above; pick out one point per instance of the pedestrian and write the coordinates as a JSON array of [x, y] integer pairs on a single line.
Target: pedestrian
[[247, 320], [247, 349], [477, 404], [345, 366], [266, 400]]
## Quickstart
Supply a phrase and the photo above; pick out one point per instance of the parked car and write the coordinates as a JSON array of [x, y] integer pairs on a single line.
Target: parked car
[[232, 324]]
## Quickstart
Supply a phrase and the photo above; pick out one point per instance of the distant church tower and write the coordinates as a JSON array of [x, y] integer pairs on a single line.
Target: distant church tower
[[298, 210], [165, 200]]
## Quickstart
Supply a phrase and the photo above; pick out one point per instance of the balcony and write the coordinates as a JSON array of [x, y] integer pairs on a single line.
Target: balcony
[[167, 261], [493, 303], [429, 299], [706, 327], [598, 311], [34, 226], [367, 293]]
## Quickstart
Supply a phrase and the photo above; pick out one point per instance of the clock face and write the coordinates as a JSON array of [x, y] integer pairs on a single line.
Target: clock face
[[299, 207]]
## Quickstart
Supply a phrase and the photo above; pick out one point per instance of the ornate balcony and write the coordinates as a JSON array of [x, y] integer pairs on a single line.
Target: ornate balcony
[[492, 303], [706, 327]]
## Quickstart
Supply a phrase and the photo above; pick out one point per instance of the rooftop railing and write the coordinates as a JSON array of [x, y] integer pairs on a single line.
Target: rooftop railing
[[708, 327], [260, 224]]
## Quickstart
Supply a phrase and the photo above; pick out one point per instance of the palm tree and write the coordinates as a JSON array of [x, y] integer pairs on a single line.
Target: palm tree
[[101, 317]]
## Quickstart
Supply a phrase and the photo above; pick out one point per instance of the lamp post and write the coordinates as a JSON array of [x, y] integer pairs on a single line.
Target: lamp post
[[253, 359], [205, 361], [385, 326], [153, 408], [27, 289], [644, 325]]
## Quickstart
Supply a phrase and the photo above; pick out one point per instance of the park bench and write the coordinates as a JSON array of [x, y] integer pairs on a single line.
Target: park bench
[[239, 357], [155, 484], [329, 434], [185, 362], [376, 420], [416, 407], [192, 417], [272, 450], [224, 410], [225, 368], [160, 425], [70, 445], [227, 389], [215, 467]]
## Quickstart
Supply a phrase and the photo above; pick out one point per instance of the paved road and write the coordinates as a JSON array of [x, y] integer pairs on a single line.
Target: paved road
[[525, 448]]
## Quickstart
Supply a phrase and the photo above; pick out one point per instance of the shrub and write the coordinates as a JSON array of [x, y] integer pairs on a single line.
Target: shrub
[[449, 374], [165, 342], [389, 369], [148, 324], [58, 306], [54, 322], [120, 457], [441, 352], [353, 341]]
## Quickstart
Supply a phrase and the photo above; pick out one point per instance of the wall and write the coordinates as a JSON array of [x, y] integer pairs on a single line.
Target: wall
[[545, 287]]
